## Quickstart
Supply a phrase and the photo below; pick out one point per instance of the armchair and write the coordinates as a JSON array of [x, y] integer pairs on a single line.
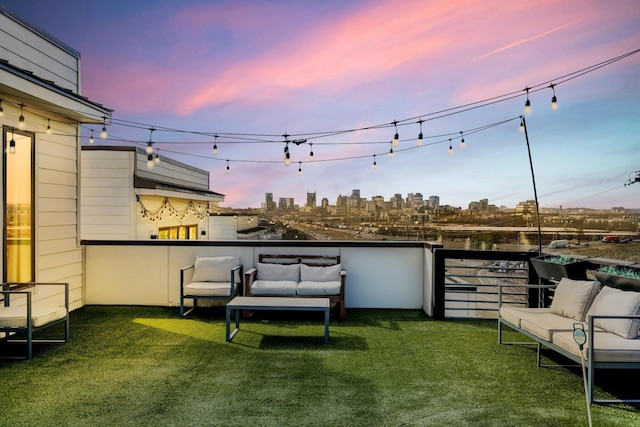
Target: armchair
[[210, 278], [19, 313]]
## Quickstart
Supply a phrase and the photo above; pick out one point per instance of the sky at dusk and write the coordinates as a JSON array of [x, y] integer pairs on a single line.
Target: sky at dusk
[[339, 73]]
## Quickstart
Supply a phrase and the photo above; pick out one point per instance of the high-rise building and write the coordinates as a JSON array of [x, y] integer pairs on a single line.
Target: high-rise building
[[311, 200], [396, 201], [268, 202], [434, 201]]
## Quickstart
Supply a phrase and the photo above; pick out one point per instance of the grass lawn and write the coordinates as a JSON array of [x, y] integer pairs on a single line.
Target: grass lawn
[[145, 366]]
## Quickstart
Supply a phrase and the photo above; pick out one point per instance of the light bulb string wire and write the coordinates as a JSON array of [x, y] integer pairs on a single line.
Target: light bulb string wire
[[235, 137]]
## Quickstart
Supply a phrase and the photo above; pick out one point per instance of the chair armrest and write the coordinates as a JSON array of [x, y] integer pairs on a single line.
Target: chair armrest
[[249, 276], [27, 289], [235, 285], [504, 285], [183, 272]]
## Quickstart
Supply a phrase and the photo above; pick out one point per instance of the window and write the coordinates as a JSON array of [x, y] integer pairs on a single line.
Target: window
[[183, 232], [18, 179]]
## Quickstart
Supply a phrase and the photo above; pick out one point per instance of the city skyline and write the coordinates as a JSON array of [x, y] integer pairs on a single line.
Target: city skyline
[[335, 77]]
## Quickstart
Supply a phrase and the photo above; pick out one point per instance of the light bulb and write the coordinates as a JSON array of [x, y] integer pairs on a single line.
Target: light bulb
[[48, 126], [396, 140], [21, 123], [150, 161], [91, 138], [103, 132], [228, 170], [287, 159], [375, 164], [391, 153], [12, 146], [521, 127], [462, 143], [554, 103], [215, 149], [527, 107], [156, 159], [420, 140], [149, 149], [450, 147]]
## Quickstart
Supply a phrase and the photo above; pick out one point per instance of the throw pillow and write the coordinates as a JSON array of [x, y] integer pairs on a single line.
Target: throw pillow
[[611, 301], [573, 298], [310, 273], [267, 271]]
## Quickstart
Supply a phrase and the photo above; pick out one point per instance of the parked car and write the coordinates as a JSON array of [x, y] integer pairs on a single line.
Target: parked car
[[611, 239], [557, 244]]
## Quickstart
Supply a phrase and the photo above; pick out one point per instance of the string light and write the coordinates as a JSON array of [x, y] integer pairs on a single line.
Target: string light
[[48, 126], [156, 159], [462, 143], [391, 151], [450, 147], [21, 123], [521, 127], [103, 132], [420, 134], [150, 161], [228, 169], [91, 137], [527, 104], [396, 137], [12, 144], [375, 165], [215, 144], [287, 156], [311, 152], [299, 168], [1, 109], [149, 149], [554, 100]]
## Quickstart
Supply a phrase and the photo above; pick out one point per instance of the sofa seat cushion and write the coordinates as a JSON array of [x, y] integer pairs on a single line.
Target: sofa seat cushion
[[609, 347], [309, 288], [16, 317], [545, 324], [274, 287], [514, 314], [208, 289]]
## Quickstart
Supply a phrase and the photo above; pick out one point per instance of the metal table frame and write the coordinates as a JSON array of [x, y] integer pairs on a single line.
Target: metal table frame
[[275, 303]]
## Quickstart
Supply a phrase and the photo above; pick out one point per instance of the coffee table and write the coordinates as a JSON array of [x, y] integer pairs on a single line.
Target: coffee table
[[275, 303]]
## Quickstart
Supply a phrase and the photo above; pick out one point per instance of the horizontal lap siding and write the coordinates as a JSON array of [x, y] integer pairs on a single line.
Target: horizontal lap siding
[[58, 254], [28, 51], [107, 194]]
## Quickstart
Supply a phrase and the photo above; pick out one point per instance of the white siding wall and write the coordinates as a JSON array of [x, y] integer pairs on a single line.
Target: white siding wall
[[222, 228], [108, 200], [29, 51], [173, 173]]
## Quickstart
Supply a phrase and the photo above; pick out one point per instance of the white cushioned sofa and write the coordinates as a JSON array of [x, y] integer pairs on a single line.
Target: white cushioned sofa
[[298, 276], [609, 316], [210, 278]]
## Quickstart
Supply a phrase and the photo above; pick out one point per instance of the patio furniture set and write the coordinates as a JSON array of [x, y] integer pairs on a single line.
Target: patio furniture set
[[278, 282]]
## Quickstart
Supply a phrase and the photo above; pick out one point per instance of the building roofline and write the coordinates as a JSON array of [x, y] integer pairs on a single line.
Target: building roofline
[[38, 30]]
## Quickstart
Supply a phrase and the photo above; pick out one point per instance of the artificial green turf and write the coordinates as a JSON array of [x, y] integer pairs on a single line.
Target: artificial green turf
[[145, 366]]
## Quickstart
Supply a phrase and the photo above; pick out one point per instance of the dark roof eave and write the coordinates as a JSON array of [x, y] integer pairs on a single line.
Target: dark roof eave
[[151, 184]]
